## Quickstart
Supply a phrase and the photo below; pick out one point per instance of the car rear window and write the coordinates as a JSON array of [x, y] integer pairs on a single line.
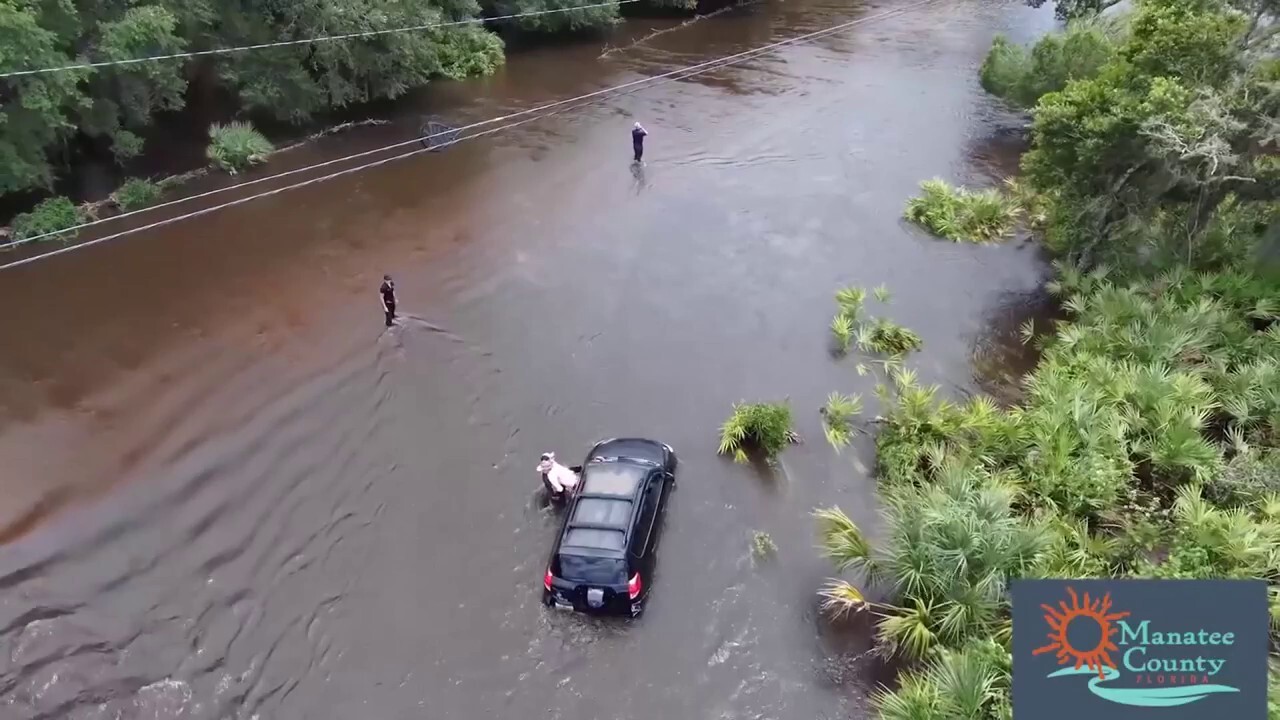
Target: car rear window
[[594, 538], [602, 512], [605, 571]]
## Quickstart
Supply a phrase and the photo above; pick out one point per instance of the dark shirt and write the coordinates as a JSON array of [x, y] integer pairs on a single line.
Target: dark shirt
[[637, 136], [388, 291]]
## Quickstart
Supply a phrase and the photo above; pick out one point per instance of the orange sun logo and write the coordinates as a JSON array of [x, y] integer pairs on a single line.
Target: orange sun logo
[[1096, 610]]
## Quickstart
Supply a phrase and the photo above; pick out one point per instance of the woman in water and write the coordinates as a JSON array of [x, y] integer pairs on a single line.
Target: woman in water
[[559, 479]]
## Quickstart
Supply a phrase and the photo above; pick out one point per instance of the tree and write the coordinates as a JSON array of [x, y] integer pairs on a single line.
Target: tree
[[35, 111], [1076, 9], [1195, 41], [1175, 125], [553, 22], [42, 113], [1023, 77], [123, 98], [294, 82]]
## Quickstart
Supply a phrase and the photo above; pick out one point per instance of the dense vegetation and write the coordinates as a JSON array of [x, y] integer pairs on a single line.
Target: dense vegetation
[[1147, 443], [963, 215], [114, 105], [48, 118], [765, 428], [136, 193], [236, 146]]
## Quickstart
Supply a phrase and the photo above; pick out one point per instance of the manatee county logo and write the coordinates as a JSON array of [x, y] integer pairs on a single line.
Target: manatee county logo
[[1161, 662]]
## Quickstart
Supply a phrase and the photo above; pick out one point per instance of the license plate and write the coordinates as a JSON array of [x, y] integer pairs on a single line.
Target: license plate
[[595, 598]]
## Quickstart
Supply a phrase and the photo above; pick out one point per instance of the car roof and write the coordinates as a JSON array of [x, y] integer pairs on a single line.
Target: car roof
[[604, 509]]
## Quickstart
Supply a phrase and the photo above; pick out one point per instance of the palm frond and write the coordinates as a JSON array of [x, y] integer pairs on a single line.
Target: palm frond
[[909, 634], [916, 698], [840, 539], [842, 332], [841, 599], [837, 418]]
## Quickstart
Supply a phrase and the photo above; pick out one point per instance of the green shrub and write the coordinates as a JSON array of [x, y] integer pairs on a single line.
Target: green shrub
[[950, 546], [126, 145], [1073, 550], [972, 683], [1240, 542], [51, 215], [877, 335], [762, 546], [849, 302], [1022, 77], [962, 215], [1004, 71], [842, 329], [1248, 475], [1113, 465], [887, 337], [765, 427], [1146, 444], [136, 193], [837, 418], [1130, 390], [1273, 689], [237, 146]]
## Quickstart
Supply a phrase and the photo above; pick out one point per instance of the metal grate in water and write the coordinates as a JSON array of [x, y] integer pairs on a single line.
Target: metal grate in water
[[437, 135]]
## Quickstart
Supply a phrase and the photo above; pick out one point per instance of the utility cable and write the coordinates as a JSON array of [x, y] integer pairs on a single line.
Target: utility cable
[[303, 41], [415, 140], [678, 74], [501, 118]]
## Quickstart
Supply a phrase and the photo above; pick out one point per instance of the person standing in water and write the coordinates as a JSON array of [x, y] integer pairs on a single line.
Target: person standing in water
[[637, 140], [388, 293]]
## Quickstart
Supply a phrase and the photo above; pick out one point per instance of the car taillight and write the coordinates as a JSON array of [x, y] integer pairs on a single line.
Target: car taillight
[[633, 586], [546, 579]]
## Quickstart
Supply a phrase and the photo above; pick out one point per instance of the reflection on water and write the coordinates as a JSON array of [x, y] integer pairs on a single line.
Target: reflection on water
[[231, 494], [638, 174]]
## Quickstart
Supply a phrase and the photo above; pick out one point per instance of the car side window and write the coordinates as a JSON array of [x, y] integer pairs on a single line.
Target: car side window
[[648, 513]]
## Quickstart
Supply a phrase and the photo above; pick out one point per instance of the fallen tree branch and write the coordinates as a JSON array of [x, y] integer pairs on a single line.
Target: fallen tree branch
[[609, 51], [329, 131]]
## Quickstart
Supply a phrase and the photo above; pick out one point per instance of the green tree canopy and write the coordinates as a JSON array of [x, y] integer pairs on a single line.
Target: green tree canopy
[[41, 113], [1177, 124]]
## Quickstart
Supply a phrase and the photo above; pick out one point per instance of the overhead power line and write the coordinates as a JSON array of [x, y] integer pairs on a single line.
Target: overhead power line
[[727, 60], [678, 74], [303, 41]]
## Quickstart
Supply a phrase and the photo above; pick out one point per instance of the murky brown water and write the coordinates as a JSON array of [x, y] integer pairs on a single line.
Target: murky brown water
[[308, 518]]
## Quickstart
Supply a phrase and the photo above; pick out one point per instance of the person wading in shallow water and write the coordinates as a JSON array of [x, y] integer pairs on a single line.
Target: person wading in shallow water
[[388, 293], [637, 140]]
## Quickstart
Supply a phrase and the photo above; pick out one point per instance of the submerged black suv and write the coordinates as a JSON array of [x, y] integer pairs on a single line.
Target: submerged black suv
[[602, 561]]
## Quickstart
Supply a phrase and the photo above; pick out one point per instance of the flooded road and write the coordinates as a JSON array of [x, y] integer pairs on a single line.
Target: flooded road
[[229, 494]]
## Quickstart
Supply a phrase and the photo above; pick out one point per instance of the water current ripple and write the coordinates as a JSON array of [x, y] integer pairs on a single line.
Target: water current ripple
[[231, 608]]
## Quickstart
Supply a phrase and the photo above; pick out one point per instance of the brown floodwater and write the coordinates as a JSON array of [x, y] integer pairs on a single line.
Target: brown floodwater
[[229, 494]]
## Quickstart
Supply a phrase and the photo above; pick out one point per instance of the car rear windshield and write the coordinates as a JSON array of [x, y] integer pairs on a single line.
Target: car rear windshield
[[594, 538], [581, 568]]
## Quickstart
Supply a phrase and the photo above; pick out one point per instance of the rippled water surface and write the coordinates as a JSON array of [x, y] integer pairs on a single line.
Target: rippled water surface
[[228, 494]]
